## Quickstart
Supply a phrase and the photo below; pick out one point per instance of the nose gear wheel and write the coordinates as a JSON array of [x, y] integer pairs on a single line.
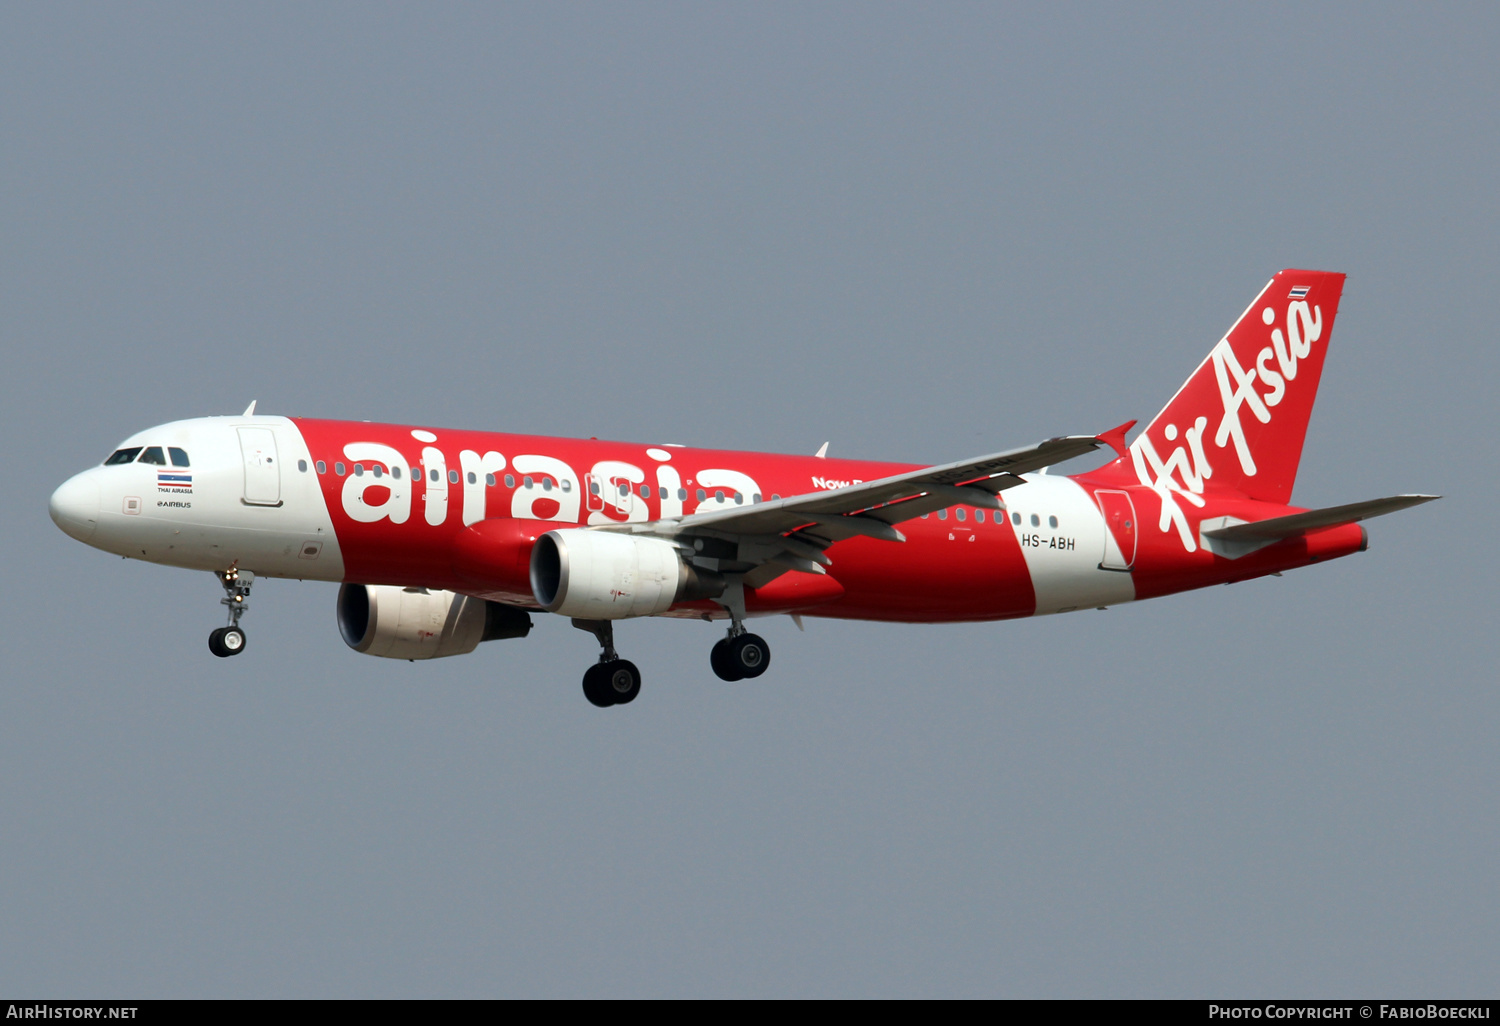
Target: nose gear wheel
[[226, 641]]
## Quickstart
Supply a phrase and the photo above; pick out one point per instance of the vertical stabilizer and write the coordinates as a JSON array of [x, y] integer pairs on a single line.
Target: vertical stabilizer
[[1239, 421]]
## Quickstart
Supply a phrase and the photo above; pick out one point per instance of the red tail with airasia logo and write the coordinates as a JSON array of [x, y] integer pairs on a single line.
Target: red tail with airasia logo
[[1238, 423], [445, 538]]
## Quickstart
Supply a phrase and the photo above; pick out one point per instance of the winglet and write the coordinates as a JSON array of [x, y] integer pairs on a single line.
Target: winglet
[[822, 451], [1115, 437], [249, 410]]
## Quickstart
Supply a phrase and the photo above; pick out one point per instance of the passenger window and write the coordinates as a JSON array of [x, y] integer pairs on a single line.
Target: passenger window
[[739, 499], [682, 495], [546, 484], [718, 495], [567, 485], [1036, 521], [473, 478], [302, 466], [416, 473], [593, 487], [1051, 521], [154, 456], [526, 481], [396, 473], [433, 474], [122, 456], [510, 480], [979, 516], [453, 477], [338, 468], [755, 498], [960, 514], [645, 491], [942, 514], [322, 467], [359, 470], [1015, 518], [702, 495], [489, 480], [179, 457], [377, 470], [774, 496]]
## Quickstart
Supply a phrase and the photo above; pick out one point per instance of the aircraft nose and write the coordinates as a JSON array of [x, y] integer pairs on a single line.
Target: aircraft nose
[[75, 506]]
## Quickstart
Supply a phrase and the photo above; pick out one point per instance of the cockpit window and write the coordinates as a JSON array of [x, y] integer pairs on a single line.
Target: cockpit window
[[154, 456], [179, 457], [122, 456]]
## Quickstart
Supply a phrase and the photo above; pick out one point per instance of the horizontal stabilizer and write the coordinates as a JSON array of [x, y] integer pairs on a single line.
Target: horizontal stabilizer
[[1300, 523]]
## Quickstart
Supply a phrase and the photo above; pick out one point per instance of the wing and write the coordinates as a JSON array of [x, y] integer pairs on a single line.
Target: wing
[[767, 539]]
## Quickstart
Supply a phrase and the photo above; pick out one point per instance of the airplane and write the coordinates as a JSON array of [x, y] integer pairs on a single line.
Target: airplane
[[442, 539]]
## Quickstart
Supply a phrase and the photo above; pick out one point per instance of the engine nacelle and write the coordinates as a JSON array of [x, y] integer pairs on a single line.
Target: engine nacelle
[[600, 575], [413, 623]]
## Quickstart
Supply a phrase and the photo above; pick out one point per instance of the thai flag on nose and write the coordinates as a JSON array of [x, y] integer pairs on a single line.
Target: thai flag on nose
[[174, 480]]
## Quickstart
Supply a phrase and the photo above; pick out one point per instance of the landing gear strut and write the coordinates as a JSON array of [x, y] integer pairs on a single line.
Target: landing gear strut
[[612, 680], [740, 654], [228, 641]]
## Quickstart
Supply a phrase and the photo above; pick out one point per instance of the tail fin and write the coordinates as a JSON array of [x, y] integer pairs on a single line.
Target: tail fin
[[1239, 421]]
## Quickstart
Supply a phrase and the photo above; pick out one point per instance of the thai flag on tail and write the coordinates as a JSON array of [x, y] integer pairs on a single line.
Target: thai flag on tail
[[1299, 292]]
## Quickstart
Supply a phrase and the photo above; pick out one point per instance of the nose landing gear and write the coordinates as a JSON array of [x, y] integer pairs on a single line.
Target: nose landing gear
[[228, 641], [612, 680]]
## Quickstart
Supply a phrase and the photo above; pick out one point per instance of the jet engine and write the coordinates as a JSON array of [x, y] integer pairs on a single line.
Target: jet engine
[[414, 623], [600, 575]]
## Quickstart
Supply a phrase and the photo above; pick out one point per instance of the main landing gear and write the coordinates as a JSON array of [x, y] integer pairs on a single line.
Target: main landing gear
[[612, 680], [740, 654], [228, 641], [615, 681]]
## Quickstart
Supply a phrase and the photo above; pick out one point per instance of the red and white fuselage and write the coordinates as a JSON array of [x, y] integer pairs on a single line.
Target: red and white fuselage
[[1049, 550]]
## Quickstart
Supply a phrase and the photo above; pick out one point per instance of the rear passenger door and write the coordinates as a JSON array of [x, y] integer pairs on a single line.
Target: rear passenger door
[[1119, 522]]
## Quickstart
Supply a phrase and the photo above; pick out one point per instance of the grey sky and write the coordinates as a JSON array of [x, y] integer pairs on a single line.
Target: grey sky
[[923, 232]]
